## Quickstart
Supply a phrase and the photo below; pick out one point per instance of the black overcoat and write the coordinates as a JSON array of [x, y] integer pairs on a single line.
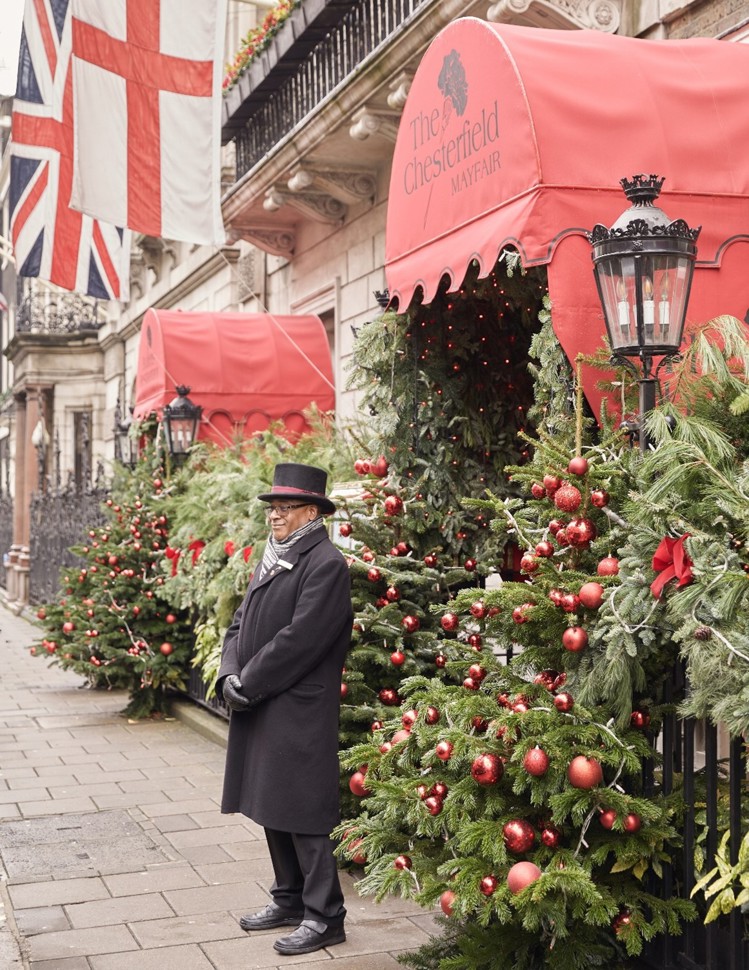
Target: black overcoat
[[287, 644]]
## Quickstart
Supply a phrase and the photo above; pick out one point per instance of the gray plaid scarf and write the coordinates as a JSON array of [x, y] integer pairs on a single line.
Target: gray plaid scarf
[[275, 550]]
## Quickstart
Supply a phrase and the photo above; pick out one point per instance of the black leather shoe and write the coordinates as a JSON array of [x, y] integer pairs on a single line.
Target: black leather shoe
[[270, 917], [310, 936]]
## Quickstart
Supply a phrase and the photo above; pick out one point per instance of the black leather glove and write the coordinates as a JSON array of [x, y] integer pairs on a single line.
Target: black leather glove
[[233, 696]]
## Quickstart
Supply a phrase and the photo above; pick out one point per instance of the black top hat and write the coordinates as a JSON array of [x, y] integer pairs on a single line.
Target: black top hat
[[305, 483]]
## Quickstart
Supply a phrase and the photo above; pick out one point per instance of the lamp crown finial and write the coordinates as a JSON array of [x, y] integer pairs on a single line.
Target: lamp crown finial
[[642, 189]]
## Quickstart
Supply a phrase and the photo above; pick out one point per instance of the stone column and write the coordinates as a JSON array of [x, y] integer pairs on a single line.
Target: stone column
[[20, 508]]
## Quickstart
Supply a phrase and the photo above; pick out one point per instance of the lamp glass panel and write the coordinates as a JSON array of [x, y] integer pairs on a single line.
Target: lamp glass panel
[[616, 279]]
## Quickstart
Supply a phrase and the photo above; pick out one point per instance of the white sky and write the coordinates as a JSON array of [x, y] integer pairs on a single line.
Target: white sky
[[10, 41]]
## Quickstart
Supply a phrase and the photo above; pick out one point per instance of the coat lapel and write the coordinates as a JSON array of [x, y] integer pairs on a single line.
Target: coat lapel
[[291, 559]]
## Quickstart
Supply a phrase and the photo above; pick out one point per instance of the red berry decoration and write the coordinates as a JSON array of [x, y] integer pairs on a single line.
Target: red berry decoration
[[574, 639], [389, 697], [449, 622], [536, 762], [357, 784], [397, 658], [599, 498], [444, 750], [447, 899], [607, 818], [410, 623], [393, 505], [374, 575], [609, 566], [584, 772], [568, 498], [488, 885], [564, 702], [537, 490], [487, 769], [519, 835], [550, 836], [433, 804], [521, 875], [578, 466], [345, 529], [545, 549], [478, 609], [432, 715], [591, 595], [580, 532], [402, 862], [632, 822]]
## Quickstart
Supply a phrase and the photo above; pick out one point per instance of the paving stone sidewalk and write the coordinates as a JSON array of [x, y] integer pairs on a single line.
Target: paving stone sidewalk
[[113, 852]]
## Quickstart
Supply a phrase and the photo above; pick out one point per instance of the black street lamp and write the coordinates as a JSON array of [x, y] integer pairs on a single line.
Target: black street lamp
[[181, 419], [643, 267]]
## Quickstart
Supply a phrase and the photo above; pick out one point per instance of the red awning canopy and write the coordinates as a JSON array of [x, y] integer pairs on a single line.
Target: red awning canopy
[[246, 370], [516, 136]]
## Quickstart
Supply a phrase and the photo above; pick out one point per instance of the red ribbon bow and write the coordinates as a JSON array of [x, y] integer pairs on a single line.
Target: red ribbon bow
[[174, 555], [229, 548], [196, 547], [672, 562]]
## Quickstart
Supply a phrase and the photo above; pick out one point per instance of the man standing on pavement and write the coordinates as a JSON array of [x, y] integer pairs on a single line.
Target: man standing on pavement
[[280, 676]]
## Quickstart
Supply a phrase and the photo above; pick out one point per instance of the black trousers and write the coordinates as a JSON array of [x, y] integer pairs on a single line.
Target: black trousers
[[306, 876]]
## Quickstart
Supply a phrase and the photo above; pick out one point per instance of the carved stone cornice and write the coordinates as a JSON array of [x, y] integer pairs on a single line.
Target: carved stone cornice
[[279, 242], [603, 15], [318, 206], [347, 185], [366, 122]]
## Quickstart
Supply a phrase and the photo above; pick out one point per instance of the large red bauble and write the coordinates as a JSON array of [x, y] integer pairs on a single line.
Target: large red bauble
[[389, 697], [536, 762], [580, 532], [447, 900], [578, 466], [488, 885], [345, 529], [529, 563], [599, 498], [487, 769], [574, 639], [545, 549], [374, 575], [357, 784], [393, 505], [519, 835], [591, 595], [632, 822], [584, 772], [522, 874], [402, 862], [607, 818], [410, 623], [568, 498], [564, 702], [478, 609], [551, 484], [444, 750], [379, 466], [608, 566], [449, 622]]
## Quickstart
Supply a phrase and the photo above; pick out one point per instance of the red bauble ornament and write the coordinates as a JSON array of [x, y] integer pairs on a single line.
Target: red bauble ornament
[[584, 772], [410, 623], [570, 602], [520, 705], [568, 498], [488, 885], [622, 919], [397, 658], [578, 466], [409, 718], [433, 804], [476, 672], [440, 789], [591, 595], [520, 613], [469, 565], [374, 575], [536, 762], [449, 622], [545, 549], [393, 594], [440, 660], [166, 649], [599, 498], [432, 715], [470, 684], [580, 532], [574, 639], [551, 484], [402, 862], [521, 875], [529, 563], [385, 747], [430, 560], [564, 702], [478, 723], [555, 525], [475, 641], [361, 466], [556, 596], [379, 466], [632, 822], [609, 566], [537, 490], [639, 719], [607, 818], [357, 784], [546, 678], [550, 836], [393, 505], [447, 899], [354, 854], [401, 735], [487, 769], [367, 555], [389, 697], [444, 750], [403, 548], [346, 529], [478, 609], [519, 835]]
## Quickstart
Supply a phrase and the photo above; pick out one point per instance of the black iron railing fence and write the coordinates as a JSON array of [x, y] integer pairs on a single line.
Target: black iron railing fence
[[364, 28]]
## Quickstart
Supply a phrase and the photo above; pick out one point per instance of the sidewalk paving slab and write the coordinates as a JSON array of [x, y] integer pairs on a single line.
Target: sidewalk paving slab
[[113, 852]]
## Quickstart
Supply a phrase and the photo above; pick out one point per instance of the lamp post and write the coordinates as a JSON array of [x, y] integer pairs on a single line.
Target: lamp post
[[181, 419], [643, 267]]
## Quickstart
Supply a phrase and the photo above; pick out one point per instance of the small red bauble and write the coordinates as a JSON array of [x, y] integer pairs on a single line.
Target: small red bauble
[[632, 822], [536, 762], [444, 750], [570, 602], [470, 565], [447, 899], [385, 747], [357, 784], [564, 702], [475, 641], [375, 725], [580, 532], [568, 498], [470, 684], [599, 498], [487, 769], [440, 660], [449, 622], [476, 672], [402, 862], [537, 490], [397, 658], [520, 705], [574, 639], [432, 715], [551, 484], [545, 549], [591, 595], [529, 563], [503, 700], [521, 875], [430, 560], [361, 466], [433, 804], [556, 596], [609, 566], [519, 835], [622, 919], [440, 789], [393, 594], [607, 818], [584, 772], [410, 623], [546, 678], [555, 525], [393, 505], [389, 697], [488, 885], [478, 723], [374, 575], [345, 529], [550, 836], [379, 466], [409, 718], [403, 548], [367, 555], [639, 719], [478, 609], [355, 855], [520, 613], [578, 466], [402, 735]]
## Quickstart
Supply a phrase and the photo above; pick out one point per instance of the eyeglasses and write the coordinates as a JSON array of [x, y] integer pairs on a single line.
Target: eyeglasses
[[283, 510]]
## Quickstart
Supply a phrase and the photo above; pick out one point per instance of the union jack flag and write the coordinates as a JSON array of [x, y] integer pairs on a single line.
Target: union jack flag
[[51, 240]]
